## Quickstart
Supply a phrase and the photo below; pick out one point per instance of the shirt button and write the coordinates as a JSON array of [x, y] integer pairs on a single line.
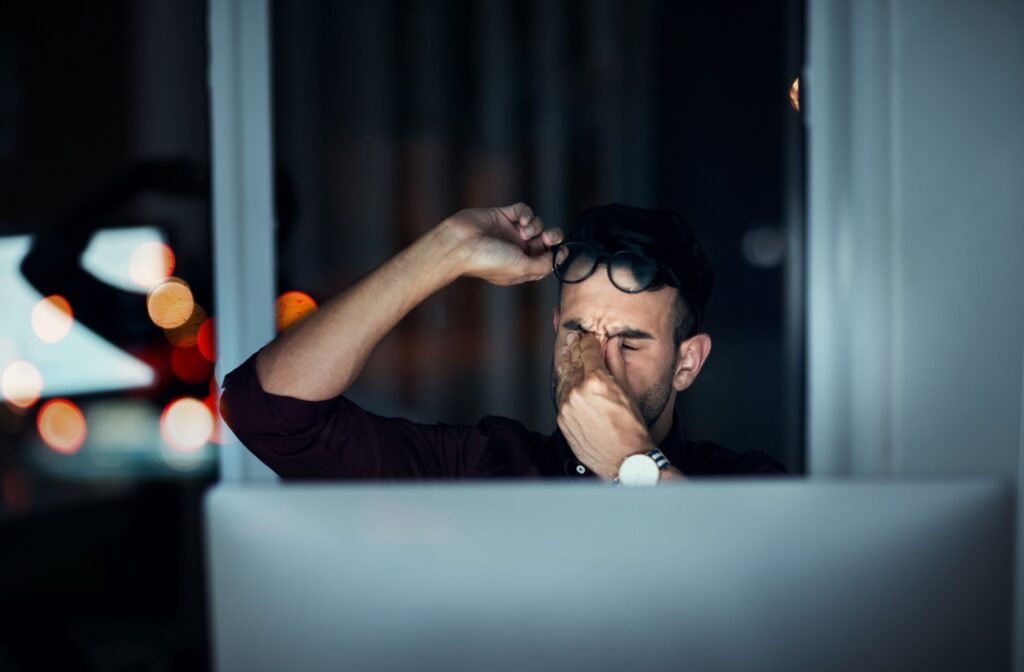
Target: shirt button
[[580, 469]]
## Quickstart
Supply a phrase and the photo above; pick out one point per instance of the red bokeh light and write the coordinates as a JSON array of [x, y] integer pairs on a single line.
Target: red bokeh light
[[190, 366], [207, 340], [61, 426]]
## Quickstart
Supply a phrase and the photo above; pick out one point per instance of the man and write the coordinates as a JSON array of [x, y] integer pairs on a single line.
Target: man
[[633, 286]]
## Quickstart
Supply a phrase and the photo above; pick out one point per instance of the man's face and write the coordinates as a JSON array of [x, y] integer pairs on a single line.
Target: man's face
[[640, 324]]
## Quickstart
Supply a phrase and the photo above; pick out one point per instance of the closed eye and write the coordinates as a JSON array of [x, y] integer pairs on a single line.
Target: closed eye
[[628, 347]]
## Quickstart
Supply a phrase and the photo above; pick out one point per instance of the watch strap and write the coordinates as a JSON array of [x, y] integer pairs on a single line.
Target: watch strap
[[659, 458]]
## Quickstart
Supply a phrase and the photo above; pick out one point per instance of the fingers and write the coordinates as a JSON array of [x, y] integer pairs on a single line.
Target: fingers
[[552, 237], [518, 214], [536, 267], [570, 370], [543, 242], [590, 354], [530, 228]]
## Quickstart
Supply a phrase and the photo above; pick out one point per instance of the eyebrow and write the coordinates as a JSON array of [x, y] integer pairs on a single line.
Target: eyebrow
[[628, 332]]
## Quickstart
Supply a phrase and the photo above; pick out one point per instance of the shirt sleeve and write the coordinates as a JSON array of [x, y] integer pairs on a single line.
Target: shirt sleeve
[[335, 438]]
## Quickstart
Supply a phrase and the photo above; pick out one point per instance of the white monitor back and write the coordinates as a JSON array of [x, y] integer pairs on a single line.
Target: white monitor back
[[781, 575]]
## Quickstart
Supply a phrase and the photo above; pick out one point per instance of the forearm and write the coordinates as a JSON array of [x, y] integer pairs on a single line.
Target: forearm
[[320, 357]]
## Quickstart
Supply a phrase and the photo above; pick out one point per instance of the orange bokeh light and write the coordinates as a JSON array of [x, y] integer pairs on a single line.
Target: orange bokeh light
[[186, 335], [207, 340], [52, 318], [150, 263], [292, 307], [794, 94], [21, 383], [61, 426], [190, 365], [170, 303], [186, 424]]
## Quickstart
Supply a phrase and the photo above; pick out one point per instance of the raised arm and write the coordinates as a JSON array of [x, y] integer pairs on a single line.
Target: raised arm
[[323, 355]]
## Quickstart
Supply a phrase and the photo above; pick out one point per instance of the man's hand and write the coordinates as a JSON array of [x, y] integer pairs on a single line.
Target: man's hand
[[504, 246], [597, 410]]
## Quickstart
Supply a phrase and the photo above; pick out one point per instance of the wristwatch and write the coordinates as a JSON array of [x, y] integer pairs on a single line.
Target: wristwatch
[[643, 469]]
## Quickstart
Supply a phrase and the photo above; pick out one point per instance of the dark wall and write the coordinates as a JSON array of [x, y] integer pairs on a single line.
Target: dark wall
[[391, 115]]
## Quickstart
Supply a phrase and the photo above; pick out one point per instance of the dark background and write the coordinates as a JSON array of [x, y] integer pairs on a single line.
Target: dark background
[[388, 117]]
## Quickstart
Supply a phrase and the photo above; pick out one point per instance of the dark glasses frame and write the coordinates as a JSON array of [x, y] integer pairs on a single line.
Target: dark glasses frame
[[662, 271]]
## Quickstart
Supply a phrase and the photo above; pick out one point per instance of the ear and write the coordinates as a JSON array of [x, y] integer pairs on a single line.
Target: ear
[[555, 319], [690, 358]]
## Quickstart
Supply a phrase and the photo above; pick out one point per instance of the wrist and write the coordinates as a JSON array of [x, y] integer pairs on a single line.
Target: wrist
[[441, 253], [449, 250]]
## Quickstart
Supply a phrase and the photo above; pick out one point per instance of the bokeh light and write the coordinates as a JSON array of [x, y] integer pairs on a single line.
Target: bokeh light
[[150, 263], [190, 366], [187, 334], [21, 383], [186, 424], [207, 340], [794, 94], [292, 307], [61, 426], [52, 318], [213, 403], [764, 246], [170, 303]]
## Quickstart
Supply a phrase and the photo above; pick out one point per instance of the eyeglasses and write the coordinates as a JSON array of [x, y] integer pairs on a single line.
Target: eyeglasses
[[629, 271]]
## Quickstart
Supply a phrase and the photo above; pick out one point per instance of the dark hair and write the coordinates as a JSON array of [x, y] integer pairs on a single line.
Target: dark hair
[[663, 236]]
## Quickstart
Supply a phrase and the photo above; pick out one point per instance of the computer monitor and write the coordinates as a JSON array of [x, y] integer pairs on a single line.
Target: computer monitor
[[752, 575]]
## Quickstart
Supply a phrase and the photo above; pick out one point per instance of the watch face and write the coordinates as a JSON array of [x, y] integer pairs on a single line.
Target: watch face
[[638, 470]]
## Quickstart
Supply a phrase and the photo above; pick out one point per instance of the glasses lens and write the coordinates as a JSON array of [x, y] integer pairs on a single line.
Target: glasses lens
[[631, 272], [575, 261]]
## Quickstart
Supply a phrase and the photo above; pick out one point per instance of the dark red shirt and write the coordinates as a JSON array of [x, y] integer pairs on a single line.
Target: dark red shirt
[[336, 439]]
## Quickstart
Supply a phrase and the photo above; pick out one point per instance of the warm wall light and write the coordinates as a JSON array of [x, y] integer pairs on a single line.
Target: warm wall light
[[21, 383], [52, 318], [292, 307], [61, 426], [186, 335], [186, 424], [170, 303], [794, 94], [150, 263]]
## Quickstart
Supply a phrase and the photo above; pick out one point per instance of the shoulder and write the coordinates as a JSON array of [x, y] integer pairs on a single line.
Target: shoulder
[[704, 458]]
